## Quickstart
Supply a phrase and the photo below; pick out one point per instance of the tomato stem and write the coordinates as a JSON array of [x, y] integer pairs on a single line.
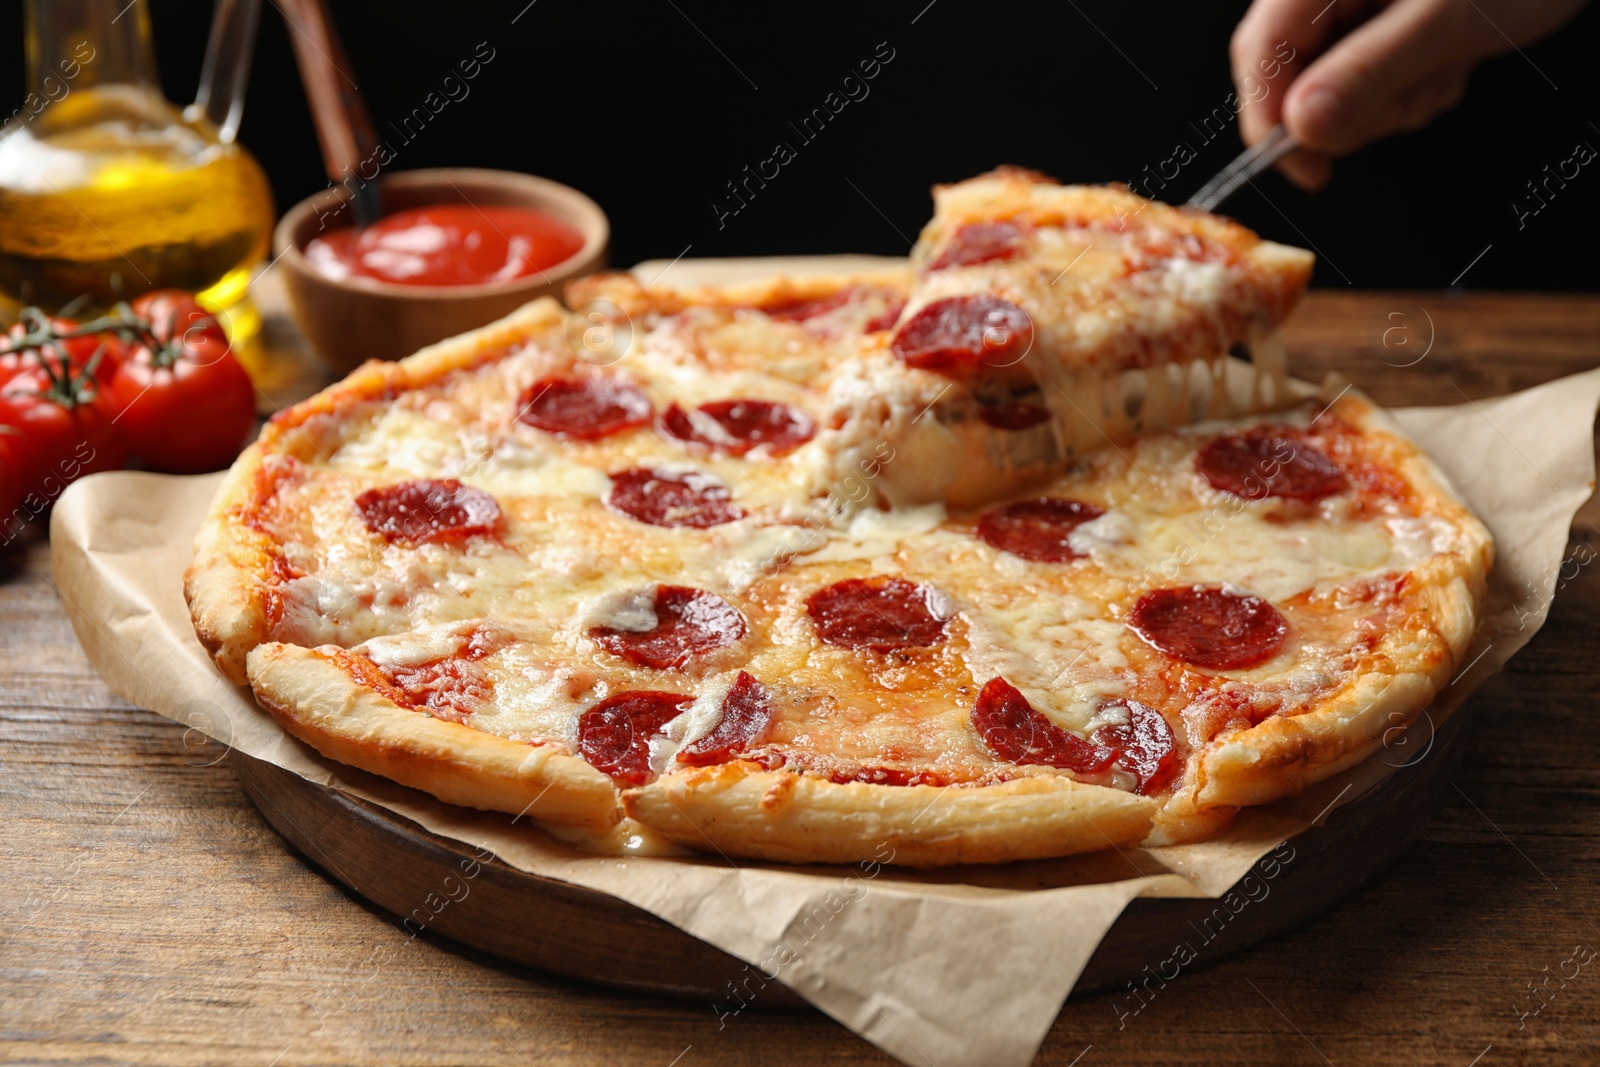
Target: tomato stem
[[67, 388], [39, 336]]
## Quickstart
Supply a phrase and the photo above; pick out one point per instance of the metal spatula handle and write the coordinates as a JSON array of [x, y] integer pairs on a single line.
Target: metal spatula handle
[[1278, 143]]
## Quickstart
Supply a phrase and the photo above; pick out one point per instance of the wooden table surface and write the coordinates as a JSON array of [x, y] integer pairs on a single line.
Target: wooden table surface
[[149, 915]]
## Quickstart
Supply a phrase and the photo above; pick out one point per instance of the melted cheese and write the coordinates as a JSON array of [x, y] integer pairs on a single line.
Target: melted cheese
[[629, 610], [1165, 524], [699, 719], [873, 534], [1063, 653], [414, 649]]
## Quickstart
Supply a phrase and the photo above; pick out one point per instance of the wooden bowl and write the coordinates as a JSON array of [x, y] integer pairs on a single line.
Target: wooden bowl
[[352, 320]]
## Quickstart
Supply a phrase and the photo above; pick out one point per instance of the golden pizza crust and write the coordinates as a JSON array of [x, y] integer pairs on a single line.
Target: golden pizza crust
[[317, 701], [223, 584], [627, 293], [740, 809], [226, 585]]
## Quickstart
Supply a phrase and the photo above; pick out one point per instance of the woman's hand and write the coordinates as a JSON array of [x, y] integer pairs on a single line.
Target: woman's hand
[[1363, 69]]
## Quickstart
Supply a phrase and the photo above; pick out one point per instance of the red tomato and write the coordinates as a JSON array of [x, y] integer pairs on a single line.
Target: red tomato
[[10, 490], [187, 404], [173, 314], [56, 430]]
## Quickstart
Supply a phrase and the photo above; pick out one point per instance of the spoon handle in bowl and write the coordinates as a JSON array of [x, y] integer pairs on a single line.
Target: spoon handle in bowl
[[344, 128]]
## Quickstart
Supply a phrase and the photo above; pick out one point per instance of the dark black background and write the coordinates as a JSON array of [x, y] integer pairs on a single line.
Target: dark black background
[[652, 106]]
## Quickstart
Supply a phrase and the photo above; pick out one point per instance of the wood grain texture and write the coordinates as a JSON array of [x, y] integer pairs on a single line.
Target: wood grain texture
[[149, 915]]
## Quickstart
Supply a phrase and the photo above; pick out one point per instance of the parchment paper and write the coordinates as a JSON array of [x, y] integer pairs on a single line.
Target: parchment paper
[[952, 968]]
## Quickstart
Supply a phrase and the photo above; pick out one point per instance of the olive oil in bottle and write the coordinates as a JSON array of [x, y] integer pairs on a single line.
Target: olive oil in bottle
[[111, 191]]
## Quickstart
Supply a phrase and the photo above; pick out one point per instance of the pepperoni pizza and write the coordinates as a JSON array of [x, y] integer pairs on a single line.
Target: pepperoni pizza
[[755, 572]]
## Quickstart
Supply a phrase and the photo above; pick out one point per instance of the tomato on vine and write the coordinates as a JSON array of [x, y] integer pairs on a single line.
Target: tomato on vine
[[58, 424], [187, 403], [37, 337]]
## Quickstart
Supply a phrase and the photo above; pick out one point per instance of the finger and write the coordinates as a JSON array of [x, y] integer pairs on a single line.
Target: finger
[[1421, 103], [1271, 44], [1307, 168], [1384, 74], [1312, 170]]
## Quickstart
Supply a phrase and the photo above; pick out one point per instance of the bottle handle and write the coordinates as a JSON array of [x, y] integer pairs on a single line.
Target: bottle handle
[[225, 72]]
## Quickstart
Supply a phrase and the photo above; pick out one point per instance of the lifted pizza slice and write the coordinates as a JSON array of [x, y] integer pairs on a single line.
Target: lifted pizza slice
[[1097, 309]]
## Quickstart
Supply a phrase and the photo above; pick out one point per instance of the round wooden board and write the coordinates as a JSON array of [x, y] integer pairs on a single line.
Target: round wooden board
[[581, 933]]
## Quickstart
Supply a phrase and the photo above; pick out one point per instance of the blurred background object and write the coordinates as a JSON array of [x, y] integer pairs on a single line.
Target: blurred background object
[[350, 315], [344, 128], [106, 188], [830, 121]]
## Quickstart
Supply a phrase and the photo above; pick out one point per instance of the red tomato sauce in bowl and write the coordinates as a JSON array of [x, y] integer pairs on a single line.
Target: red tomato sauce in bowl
[[447, 244]]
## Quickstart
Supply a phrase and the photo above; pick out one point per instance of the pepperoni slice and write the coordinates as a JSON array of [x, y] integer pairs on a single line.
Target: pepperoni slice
[[1038, 530], [1143, 744], [746, 713], [1013, 415], [1259, 463], [661, 499], [1209, 627], [980, 242], [881, 614], [689, 622], [737, 426], [584, 408], [961, 333], [614, 735], [1013, 731], [428, 511]]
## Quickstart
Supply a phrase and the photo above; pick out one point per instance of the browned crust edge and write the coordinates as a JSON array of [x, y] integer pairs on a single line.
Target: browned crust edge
[[1441, 604], [740, 809], [626, 292], [314, 699]]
